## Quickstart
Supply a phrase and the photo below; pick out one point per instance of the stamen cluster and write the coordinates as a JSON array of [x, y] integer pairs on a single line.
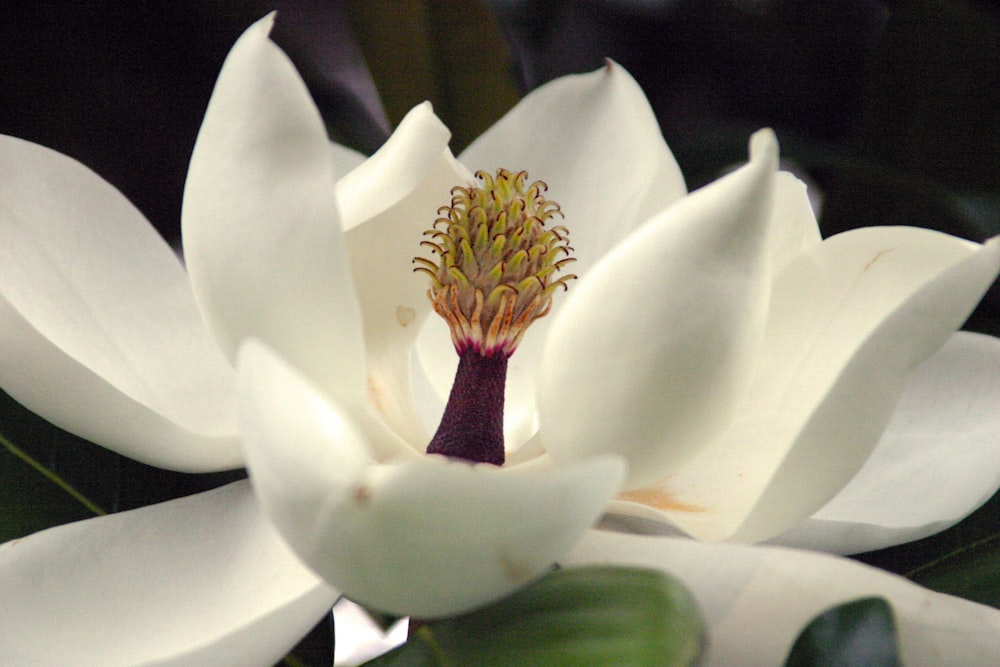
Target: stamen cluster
[[493, 261]]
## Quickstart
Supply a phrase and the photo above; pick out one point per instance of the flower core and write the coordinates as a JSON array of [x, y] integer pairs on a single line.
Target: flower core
[[496, 261], [493, 277]]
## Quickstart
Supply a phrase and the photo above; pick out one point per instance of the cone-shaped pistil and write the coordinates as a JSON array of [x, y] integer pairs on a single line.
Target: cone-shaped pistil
[[472, 425], [492, 267]]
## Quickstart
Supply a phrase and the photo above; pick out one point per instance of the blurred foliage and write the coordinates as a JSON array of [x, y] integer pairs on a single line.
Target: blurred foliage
[[861, 87], [447, 51], [862, 632], [892, 109], [930, 100], [971, 572], [582, 616]]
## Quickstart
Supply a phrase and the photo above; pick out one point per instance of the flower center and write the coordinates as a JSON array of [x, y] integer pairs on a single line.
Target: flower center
[[492, 268]]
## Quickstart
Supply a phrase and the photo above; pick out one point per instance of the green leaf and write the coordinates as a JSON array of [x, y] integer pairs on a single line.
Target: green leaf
[[972, 572], [862, 632], [598, 616]]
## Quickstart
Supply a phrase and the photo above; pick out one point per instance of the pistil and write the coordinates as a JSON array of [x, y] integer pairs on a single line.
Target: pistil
[[472, 425], [492, 267]]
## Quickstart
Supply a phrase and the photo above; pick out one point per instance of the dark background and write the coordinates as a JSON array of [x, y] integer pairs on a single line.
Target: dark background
[[889, 106]]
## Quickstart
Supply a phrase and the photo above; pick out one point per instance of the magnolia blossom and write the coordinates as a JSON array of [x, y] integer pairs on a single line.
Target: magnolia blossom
[[715, 365]]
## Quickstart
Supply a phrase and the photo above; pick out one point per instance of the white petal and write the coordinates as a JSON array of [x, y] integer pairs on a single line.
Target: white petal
[[99, 329], [936, 462], [595, 141], [654, 347], [428, 537], [850, 319], [344, 160], [756, 600], [399, 169], [262, 235], [202, 580], [793, 222], [387, 203], [293, 438], [43, 378], [417, 535], [359, 638]]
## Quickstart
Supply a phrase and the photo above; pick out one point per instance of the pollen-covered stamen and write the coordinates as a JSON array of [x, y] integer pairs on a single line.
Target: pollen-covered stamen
[[493, 269], [493, 258]]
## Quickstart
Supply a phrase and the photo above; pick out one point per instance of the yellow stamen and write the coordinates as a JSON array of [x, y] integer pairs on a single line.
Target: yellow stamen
[[493, 260]]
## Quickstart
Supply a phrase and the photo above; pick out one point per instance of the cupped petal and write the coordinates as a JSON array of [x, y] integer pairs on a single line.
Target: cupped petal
[[99, 330], [262, 234], [936, 461], [287, 426], [654, 347], [595, 141], [757, 599], [431, 537], [416, 535], [850, 319], [297, 448], [387, 203], [202, 580]]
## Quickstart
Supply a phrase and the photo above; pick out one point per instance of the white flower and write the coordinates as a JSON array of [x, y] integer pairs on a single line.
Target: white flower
[[299, 261]]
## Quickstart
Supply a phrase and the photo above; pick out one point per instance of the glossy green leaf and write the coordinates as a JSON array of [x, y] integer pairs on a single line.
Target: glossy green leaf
[[972, 572], [598, 616], [862, 632]]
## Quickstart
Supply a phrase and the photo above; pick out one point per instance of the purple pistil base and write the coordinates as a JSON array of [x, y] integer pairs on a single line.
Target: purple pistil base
[[472, 425]]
